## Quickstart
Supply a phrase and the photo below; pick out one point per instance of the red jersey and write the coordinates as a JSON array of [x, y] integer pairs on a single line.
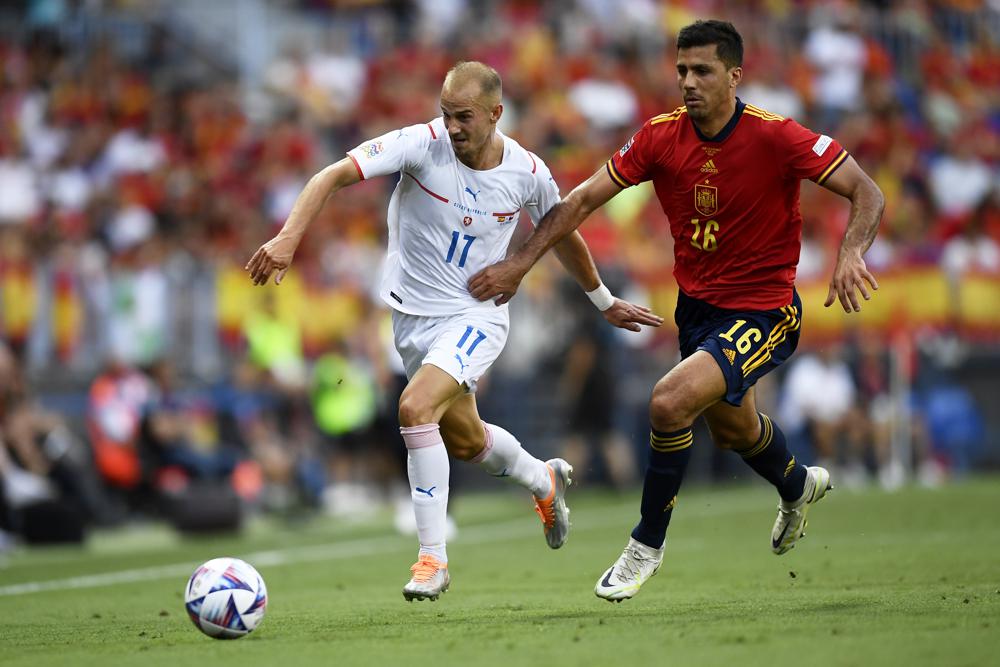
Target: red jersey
[[732, 200]]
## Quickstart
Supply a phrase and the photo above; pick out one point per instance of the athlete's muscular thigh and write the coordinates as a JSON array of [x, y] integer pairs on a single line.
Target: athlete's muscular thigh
[[462, 428], [734, 427], [690, 388], [427, 396]]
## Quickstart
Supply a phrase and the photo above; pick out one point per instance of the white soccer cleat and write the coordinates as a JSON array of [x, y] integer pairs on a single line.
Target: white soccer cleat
[[430, 579], [633, 568], [791, 522], [552, 509]]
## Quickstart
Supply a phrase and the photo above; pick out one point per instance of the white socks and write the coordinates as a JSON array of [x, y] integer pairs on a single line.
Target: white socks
[[503, 456], [427, 468]]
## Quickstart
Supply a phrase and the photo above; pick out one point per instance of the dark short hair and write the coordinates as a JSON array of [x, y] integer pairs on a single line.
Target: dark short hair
[[728, 42]]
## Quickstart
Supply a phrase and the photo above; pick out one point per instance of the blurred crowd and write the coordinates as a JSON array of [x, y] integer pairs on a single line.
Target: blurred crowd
[[138, 174]]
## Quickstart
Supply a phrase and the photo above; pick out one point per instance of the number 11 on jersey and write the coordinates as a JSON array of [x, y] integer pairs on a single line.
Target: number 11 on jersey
[[454, 246]]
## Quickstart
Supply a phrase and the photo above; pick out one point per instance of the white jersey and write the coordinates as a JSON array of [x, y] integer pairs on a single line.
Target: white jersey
[[447, 221]]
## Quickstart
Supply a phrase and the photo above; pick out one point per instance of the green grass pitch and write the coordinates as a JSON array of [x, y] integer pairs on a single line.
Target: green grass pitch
[[909, 578]]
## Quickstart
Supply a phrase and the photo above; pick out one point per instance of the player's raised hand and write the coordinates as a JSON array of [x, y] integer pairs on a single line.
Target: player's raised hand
[[849, 278], [275, 256], [625, 315], [498, 282]]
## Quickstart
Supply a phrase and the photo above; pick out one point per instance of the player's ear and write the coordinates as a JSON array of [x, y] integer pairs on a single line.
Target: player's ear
[[495, 113], [735, 76]]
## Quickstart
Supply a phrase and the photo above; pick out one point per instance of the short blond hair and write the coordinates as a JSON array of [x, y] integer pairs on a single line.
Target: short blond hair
[[472, 71]]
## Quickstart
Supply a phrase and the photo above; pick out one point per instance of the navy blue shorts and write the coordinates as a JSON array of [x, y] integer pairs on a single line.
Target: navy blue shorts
[[747, 344]]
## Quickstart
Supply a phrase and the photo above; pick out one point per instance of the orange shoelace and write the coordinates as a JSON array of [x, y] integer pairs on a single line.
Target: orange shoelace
[[425, 568], [545, 508], [546, 512]]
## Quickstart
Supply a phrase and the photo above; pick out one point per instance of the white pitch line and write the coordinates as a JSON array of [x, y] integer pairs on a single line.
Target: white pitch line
[[479, 534]]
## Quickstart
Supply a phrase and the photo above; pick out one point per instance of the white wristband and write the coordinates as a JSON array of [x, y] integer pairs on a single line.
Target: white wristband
[[601, 297]]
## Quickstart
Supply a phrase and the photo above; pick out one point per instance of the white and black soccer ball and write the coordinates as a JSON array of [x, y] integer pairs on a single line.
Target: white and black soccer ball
[[226, 598]]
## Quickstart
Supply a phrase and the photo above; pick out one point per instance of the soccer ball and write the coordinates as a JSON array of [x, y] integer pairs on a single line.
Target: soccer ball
[[226, 598]]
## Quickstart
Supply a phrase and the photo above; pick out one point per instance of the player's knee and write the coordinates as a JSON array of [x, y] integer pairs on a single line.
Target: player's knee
[[414, 410], [667, 409]]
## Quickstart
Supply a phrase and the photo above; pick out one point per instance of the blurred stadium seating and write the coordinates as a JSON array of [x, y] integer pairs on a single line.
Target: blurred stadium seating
[[147, 148]]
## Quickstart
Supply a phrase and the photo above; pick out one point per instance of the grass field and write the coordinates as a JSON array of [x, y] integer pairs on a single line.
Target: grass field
[[907, 578]]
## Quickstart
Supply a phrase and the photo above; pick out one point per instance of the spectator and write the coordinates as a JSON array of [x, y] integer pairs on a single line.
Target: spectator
[[959, 180], [179, 433], [344, 407], [838, 53], [816, 402], [117, 399], [603, 99], [971, 251], [769, 90], [594, 445], [132, 172], [955, 425], [46, 483]]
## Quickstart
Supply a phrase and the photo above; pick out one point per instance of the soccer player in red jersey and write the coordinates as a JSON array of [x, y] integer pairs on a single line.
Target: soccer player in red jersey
[[727, 175]]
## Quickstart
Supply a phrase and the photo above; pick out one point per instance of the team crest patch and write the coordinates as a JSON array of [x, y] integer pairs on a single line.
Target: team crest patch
[[373, 149], [706, 199], [628, 145]]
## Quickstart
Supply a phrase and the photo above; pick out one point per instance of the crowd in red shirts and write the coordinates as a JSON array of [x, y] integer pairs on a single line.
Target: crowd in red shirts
[[135, 182]]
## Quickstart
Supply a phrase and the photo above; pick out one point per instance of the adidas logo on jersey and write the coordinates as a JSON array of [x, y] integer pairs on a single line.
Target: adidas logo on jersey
[[730, 354], [709, 167]]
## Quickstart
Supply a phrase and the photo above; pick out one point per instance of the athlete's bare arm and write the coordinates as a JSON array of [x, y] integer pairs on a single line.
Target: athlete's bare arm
[[276, 254], [575, 257], [867, 203], [501, 280]]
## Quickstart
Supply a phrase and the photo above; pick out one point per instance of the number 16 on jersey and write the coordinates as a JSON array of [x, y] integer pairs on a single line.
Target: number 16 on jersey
[[455, 238], [707, 240]]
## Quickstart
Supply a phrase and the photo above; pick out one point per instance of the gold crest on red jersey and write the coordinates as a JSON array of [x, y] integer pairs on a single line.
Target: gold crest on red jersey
[[706, 199]]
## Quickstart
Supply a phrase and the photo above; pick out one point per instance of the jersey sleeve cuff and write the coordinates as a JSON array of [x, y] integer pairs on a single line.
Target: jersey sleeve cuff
[[837, 161], [357, 166], [616, 176]]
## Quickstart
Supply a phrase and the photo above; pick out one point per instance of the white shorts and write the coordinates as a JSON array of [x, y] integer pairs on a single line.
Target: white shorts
[[464, 346]]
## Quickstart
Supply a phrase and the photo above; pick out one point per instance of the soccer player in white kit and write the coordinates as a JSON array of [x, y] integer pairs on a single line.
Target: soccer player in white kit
[[461, 189]]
